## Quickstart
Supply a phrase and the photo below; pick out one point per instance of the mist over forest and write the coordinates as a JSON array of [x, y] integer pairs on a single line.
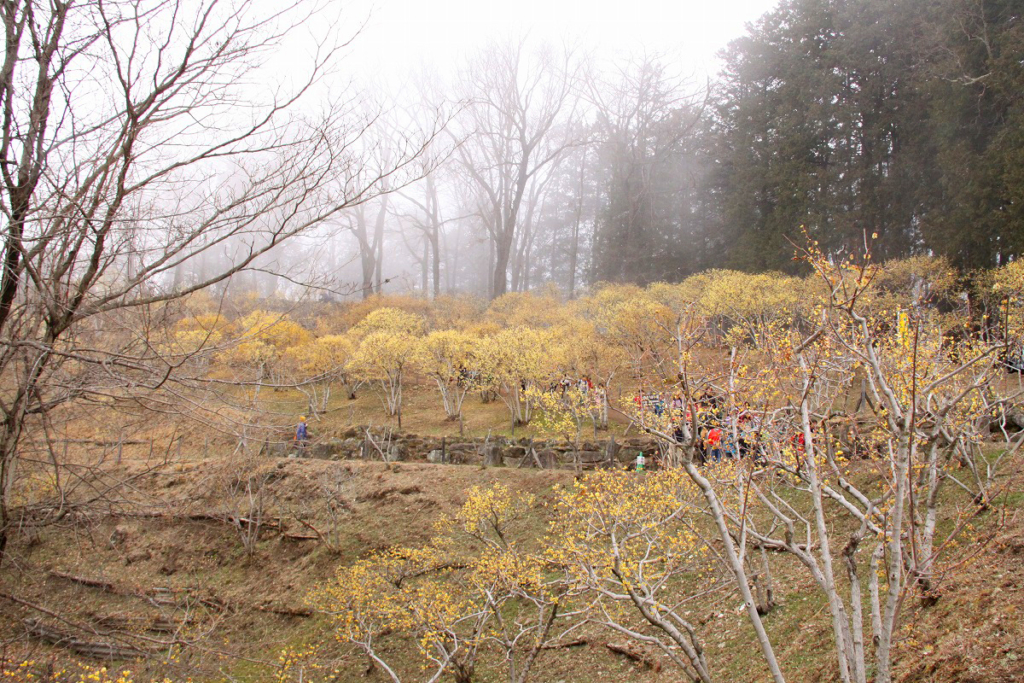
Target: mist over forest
[[900, 123]]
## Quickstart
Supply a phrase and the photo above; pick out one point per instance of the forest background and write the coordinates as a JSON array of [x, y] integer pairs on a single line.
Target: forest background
[[847, 119]]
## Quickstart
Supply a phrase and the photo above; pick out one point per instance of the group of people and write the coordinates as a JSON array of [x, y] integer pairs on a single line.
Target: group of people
[[656, 403], [719, 434], [722, 435], [594, 393], [582, 384]]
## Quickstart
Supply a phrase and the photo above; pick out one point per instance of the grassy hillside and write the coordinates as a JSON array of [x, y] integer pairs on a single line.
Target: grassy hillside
[[171, 570]]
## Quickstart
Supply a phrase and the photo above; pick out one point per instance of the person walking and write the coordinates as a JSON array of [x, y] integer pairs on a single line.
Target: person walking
[[714, 443], [301, 434], [678, 411], [601, 399]]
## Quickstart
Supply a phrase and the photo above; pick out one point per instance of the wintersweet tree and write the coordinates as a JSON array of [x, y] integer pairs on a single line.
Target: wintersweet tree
[[277, 329], [527, 309], [489, 514], [671, 340], [260, 339], [934, 406], [932, 401], [362, 607], [514, 360], [384, 359], [196, 338], [689, 322], [388, 344], [446, 356], [449, 620], [563, 414], [437, 610], [632, 543], [683, 441], [320, 363], [586, 353], [640, 327], [527, 598], [408, 591], [458, 602], [751, 304], [389, 319]]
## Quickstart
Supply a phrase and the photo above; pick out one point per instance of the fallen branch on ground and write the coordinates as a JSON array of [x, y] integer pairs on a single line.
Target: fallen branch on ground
[[286, 611], [635, 655], [85, 648], [579, 642], [104, 586]]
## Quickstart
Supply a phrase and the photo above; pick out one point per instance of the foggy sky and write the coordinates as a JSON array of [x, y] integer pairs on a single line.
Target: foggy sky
[[403, 34]]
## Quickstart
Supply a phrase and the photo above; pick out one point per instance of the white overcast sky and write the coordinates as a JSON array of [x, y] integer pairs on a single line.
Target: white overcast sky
[[404, 34]]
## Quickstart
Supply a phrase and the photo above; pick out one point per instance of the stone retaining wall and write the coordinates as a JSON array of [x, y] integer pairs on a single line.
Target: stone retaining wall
[[494, 451]]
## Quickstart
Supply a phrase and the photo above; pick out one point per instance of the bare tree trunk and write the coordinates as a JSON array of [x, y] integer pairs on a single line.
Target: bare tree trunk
[[507, 232], [518, 246], [840, 620], [574, 241], [367, 257], [451, 272], [491, 257], [526, 260], [435, 247], [499, 281], [425, 269], [378, 243], [735, 563], [434, 232]]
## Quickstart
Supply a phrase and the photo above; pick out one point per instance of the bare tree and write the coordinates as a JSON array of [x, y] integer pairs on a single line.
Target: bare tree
[[515, 126], [246, 492], [138, 137], [429, 221], [577, 220], [369, 232]]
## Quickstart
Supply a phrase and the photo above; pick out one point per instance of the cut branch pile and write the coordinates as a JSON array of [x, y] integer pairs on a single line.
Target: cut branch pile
[[86, 648]]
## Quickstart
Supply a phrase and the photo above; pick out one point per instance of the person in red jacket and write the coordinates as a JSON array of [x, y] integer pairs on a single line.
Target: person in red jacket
[[715, 443]]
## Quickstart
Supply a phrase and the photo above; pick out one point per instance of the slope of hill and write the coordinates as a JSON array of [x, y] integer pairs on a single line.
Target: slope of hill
[[168, 582]]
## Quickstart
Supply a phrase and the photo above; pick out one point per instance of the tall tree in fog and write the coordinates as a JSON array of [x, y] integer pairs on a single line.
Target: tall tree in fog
[[424, 210], [646, 122], [815, 112], [565, 226], [367, 221], [517, 123]]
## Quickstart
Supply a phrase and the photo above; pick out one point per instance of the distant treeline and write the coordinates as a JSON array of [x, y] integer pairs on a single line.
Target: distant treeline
[[902, 120]]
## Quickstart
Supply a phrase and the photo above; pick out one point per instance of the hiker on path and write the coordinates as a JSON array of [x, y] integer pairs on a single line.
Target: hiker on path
[[301, 433]]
